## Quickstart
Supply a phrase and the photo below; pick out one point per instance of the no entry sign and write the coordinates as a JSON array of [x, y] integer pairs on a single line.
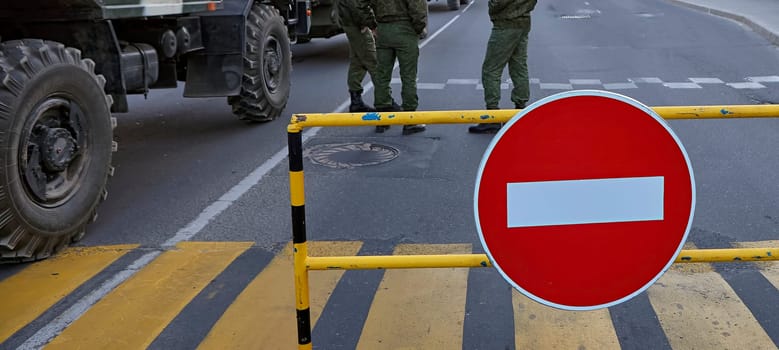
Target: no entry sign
[[584, 199]]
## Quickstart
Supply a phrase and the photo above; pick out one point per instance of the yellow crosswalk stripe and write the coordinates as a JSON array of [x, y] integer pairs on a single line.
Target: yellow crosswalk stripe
[[541, 327], [769, 269], [412, 308], [418, 308], [131, 316], [697, 309], [263, 315], [29, 293]]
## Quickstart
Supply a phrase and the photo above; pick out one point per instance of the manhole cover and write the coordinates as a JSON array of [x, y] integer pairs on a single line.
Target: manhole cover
[[350, 155]]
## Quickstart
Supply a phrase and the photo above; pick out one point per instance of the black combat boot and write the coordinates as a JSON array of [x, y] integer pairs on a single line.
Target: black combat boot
[[392, 108], [485, 128], [413, 128], [357, 104], [520, 105]]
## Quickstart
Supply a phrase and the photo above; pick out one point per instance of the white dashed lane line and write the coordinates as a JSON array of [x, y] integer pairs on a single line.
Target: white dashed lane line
[[756, 82]]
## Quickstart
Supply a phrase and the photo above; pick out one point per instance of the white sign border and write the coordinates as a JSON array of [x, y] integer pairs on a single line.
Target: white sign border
[[559, 96]]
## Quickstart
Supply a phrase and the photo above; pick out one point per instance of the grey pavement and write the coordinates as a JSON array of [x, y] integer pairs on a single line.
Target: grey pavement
[[760, 15]]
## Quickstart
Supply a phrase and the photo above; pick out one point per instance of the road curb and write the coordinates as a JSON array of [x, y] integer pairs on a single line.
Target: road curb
[[771, 36]]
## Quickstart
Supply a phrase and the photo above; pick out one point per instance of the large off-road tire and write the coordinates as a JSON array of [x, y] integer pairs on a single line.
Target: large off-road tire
[[267, 65], [56, 141], [453, 4]]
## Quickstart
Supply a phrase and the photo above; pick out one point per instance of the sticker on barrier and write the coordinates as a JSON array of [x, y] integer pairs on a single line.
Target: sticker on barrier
[[584, 199]]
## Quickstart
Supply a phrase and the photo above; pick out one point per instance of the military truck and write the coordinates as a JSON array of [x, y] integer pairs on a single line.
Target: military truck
[[322, 23], [67, 65]]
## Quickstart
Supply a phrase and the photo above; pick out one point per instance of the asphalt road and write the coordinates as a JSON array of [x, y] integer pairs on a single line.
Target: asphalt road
[[178, 157]]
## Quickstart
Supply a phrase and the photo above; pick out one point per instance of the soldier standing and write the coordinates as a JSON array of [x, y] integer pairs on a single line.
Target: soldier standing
[[358, 22], [507, 45], [400, 25]]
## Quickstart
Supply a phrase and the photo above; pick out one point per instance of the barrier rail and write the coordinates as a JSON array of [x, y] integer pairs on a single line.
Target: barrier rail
[[300, 121], [303, 263]]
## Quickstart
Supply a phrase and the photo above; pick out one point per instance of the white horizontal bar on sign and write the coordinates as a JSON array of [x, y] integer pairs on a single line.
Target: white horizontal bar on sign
[[572, 202]]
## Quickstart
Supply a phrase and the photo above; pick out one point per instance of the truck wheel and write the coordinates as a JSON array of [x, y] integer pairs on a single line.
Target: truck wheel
[[267, 66], [453, 4], [55, 147]]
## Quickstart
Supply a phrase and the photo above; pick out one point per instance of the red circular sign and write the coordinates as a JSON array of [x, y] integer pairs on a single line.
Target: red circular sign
[[584, 199]]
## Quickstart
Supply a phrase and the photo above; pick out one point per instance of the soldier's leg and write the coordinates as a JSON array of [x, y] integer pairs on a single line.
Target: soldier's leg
[[362, 55], [367, 55], [408, 59], [518, 69], [499, 51], [385, 56], [357, 70]]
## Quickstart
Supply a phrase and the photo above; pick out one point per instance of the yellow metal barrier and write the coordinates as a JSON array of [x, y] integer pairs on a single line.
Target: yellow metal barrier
[[304, 263], [481, 260], [300, 121]]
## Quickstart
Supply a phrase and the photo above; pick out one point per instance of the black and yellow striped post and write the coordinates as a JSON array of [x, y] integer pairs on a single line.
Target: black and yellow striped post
[[299, 245]]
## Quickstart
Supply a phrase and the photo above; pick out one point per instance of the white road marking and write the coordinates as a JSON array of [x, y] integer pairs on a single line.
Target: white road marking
[[747, 85], [430, 86], [647, 80], [44, 335], [765, 79], [693, 83], [682, 85], [707, 80], [619, 86], [555, 86], [585, 81], [462, 81]]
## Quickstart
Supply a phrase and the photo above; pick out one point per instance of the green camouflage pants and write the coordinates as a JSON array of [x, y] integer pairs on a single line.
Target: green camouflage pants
[[506, 46], [396, 40], [362, 56]]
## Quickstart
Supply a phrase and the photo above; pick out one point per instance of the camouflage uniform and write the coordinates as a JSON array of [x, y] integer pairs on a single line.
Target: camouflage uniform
[[507, 46], [401, 22], [358, 22], [400, 25]]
